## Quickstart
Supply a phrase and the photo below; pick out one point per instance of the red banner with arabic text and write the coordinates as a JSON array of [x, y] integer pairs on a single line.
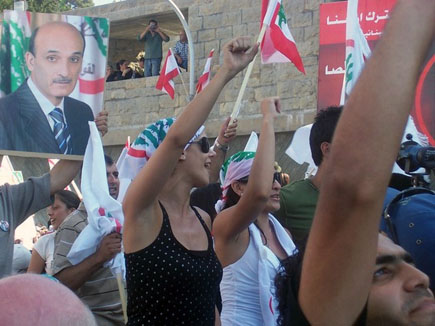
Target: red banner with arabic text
[[373, 15]]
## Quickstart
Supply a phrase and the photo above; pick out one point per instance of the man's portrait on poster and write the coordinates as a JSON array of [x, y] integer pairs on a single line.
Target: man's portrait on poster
[[40, 116]]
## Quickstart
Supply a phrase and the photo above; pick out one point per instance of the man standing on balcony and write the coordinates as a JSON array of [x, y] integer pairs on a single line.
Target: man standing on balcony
[[153, 37]]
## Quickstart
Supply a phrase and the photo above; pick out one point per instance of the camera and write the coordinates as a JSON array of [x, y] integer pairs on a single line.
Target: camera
[[413, 156]]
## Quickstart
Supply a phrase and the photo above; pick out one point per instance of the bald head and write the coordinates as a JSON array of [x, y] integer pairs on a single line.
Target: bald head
[[29, 299], [55, 59], [47, 27]]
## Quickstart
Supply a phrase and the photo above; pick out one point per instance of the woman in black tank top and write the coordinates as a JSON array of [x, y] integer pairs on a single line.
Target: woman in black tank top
[[172, 271]]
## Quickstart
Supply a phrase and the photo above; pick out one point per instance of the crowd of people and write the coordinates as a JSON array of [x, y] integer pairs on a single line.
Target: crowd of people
[[226, 259]]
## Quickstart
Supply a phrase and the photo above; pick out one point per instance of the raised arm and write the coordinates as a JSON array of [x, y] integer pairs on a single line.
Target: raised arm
[[226, 135], [341, 249], [145, 188], [142, 35], [162, 34], [62, 174], [232, 221]]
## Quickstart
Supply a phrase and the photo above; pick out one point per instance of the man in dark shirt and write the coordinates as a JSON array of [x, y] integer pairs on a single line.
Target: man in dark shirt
[[153, 37]]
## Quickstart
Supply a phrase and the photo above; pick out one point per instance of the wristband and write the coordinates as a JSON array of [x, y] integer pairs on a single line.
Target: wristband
[[223, 148]]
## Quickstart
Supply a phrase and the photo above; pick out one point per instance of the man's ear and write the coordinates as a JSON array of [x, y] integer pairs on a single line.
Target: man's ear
[[325, 147], [30, 60], [182, 157]]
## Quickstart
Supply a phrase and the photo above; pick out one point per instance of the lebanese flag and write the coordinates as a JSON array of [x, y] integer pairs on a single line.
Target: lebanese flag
[[205, 77], [169, 71], [92, 78], [278, 44], [357, 50]]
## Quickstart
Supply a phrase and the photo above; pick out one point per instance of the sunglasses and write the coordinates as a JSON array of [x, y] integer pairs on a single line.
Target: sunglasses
[[276, 177], [203, 144]]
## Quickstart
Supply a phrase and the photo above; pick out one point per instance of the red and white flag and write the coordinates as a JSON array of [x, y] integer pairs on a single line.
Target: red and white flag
[[278, 44], [205, 77], [169, 71]]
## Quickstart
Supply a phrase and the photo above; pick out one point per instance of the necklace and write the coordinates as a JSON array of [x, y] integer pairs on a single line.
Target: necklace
[[262, 233]]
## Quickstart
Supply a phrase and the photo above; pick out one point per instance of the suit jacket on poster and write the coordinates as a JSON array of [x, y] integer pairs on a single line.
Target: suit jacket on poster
[[24, 126]]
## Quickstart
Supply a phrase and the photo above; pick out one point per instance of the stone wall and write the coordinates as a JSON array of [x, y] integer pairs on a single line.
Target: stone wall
[[134, 103]]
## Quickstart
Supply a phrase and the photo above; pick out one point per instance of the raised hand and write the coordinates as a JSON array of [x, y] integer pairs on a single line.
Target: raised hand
[[238, 53], [101, 122], [270, 107], [227, 132]]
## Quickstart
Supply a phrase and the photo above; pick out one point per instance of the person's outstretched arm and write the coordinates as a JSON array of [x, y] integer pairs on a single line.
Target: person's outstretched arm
[[147, 185], [227, 134], [232, 221], [341, 250], [62, 174]]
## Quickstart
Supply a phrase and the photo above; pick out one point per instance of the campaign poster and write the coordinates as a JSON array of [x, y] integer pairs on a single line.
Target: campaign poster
[[373, 15], [52, 75]]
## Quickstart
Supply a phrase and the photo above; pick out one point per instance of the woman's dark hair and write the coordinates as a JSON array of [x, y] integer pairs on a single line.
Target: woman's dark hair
[[120, 63], [232, 197], [70, 199], [287, 283]]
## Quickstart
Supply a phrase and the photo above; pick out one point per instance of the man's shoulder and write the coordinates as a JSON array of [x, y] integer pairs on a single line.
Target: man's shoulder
[[297, 187], [297, 184], [76, 221], [77, 104], [77, 111], [10, 100]]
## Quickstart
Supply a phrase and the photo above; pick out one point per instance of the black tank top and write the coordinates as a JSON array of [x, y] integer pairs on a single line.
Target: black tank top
[[168, 284]]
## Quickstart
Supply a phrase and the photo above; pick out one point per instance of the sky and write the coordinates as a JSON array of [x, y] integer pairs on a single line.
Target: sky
[[102, 2]]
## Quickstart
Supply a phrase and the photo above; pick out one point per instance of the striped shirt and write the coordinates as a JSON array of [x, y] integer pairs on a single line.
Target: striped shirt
[[100, 293]]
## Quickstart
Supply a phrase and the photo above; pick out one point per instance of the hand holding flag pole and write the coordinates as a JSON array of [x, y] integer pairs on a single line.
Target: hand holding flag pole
[[277, 43], [184, 86]]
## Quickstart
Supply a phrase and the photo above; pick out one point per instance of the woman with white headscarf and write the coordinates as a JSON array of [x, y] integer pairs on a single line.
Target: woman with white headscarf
[[172, 271], [249, 241]]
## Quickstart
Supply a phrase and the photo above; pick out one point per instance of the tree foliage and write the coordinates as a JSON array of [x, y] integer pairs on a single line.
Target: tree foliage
[[49, 6]]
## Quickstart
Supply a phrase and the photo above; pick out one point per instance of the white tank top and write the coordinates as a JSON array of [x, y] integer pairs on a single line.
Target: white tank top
[[240, 285]]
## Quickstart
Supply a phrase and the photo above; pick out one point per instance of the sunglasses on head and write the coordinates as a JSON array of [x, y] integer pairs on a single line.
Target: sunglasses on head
[[276, 177], [203, 144]]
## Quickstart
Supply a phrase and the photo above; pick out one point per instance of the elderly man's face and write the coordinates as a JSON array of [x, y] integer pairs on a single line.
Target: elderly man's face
[[399, 294], [57, 61]]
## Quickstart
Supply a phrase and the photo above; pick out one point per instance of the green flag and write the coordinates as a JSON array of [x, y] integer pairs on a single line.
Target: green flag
[[14, 44]]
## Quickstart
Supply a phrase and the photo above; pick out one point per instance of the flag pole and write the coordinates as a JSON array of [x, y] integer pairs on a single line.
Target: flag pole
[[236, 109], [182, 80], [76, 189], [184, 86], [121, 289]]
